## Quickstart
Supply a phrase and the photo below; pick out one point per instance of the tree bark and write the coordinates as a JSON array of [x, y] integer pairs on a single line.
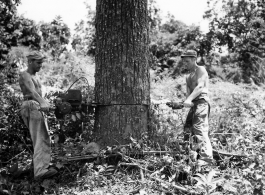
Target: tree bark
[[122, 80]]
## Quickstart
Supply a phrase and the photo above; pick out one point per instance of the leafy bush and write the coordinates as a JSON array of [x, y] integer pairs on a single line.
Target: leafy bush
[[241, 33], [55, 36], [84, 37], [15, 30], [14, 134]]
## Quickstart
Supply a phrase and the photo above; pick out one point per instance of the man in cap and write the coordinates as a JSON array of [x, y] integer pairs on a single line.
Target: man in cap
[[197, 99], [32, 113]]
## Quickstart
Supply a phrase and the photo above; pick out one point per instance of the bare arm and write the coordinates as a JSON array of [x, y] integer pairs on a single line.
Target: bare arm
[[27, 83], [202, 77]]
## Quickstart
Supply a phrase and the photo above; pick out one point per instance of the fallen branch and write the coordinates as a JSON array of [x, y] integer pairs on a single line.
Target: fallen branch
[[142, 175], [72, 158], [175, 186], [158, 171], [160, 180], [174, 153], [134, 165], [14, 157], [161, 152], [229, 154], [225, 133]]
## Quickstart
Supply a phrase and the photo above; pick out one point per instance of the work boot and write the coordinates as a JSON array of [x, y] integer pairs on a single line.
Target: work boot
[[50, 173], [205, 162]]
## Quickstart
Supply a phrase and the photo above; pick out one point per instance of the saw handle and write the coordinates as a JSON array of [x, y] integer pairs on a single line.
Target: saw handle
[[50, 109], [175, 105]]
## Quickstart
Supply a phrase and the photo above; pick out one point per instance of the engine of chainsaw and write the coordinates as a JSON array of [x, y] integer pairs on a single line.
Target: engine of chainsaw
[[71, 101]]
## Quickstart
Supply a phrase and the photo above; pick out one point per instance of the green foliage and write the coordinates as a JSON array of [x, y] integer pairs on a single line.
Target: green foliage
[[27, 33], [207, 183], [174, 37], [238, 128], [84, 36], [15, 62], [172, 25], [66, 70], [170, 40], [15, 30], [240, 26], [166, 124], [7, 12], [154, 16], [56, 35], [14, 134]]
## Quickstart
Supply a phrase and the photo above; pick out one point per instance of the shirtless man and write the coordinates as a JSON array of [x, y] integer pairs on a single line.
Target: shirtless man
[[197, 99], [32, 113]]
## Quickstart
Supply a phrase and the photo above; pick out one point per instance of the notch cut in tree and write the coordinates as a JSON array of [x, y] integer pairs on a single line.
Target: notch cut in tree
[[122, 79]]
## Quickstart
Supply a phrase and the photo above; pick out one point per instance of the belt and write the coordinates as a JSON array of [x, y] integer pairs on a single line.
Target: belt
[[28, 98]]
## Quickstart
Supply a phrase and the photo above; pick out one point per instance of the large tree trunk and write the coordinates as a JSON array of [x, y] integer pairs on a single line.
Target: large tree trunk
[[122, 85]]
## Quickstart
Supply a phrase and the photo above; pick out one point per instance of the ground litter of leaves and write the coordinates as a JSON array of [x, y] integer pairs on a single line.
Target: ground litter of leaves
[[131, 169]]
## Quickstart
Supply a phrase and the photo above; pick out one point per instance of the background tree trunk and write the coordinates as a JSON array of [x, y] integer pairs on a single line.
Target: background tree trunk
[[122, 80]]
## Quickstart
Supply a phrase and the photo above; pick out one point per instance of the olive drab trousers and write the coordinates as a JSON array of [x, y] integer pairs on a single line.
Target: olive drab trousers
[[38, 127], [196, 129]]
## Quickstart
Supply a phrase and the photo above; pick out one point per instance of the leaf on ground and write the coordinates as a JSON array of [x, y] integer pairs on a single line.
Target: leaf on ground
[[59, 165], [91, 148], [216, 193], [47, 183], [229, 187], [14, 168], [73, 118], [142, 192], [78, 115]]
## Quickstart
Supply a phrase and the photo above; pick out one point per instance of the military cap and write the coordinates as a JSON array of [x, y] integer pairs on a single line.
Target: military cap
[[36, 55], [189, 53]]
